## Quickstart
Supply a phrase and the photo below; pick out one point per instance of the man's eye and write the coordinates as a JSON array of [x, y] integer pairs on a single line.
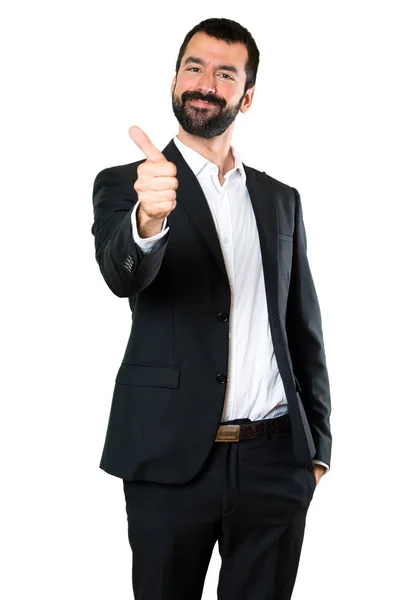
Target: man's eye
[[197, 68]]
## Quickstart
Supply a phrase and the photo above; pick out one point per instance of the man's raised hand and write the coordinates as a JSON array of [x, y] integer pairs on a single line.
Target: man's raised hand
[[156, 181]]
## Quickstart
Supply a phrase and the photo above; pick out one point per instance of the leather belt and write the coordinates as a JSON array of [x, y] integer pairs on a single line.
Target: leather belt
[[279, 426]]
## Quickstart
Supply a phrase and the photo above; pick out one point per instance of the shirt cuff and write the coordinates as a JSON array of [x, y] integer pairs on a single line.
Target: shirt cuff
[[150, 243], [320, 462]]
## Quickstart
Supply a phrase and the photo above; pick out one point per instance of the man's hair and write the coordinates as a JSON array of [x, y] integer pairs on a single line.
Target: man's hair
[[230, 32]]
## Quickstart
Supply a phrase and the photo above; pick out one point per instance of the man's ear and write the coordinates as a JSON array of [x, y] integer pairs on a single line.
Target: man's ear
[[247, 100]]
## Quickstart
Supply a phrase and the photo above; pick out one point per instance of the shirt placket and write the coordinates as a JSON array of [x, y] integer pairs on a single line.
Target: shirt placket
[[226, 242]]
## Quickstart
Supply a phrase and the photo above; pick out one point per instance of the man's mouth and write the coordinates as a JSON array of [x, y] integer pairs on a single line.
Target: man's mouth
[[202, 103]]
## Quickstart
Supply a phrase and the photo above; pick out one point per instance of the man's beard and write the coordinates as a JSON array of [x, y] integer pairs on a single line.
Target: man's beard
[[201, 121]]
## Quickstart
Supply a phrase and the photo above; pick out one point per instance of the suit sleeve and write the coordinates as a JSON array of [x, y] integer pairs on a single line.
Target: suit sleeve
[[126, 269], [306, 343]]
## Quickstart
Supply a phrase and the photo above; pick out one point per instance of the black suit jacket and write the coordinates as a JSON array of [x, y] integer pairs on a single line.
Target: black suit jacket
[[170, 387]]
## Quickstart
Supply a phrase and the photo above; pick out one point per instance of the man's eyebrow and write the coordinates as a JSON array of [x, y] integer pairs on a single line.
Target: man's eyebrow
[[195, 59]]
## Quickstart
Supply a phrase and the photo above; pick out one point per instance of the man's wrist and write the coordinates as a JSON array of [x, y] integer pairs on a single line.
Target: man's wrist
[[147, 226], [321, 463]]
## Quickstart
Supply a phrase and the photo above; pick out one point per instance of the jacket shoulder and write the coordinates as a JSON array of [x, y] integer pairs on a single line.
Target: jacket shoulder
[[278, 186], [122, 172]]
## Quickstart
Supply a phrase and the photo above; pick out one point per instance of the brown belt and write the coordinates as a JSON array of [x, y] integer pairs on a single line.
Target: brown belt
[[279, 426]]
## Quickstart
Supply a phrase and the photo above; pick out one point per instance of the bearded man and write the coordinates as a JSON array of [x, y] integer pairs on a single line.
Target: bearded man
[[219, 424]]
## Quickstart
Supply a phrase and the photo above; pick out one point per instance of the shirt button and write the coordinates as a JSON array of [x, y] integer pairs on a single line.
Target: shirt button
[[221, 378], [226, 240], [222, 317]]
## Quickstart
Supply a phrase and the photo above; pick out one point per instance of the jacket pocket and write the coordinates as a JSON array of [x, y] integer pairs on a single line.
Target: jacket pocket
[[149, 375]]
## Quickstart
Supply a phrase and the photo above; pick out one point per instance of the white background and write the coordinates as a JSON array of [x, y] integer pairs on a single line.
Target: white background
[[329, 117]]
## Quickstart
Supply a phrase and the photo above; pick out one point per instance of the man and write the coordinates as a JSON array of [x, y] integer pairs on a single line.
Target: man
[[219, 425]]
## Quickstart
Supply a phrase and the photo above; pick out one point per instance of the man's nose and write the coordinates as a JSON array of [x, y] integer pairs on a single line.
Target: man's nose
[[207, 84]]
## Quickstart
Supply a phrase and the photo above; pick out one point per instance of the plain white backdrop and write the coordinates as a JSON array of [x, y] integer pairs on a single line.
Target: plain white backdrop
[[329, 117]]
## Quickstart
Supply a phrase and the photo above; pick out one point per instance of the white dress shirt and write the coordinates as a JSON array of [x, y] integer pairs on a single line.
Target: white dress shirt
[[254, 386]]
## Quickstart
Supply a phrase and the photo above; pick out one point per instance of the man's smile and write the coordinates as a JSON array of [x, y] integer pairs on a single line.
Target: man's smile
[[202, 103]]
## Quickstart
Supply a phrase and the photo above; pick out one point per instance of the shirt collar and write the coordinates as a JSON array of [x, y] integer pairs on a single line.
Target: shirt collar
[[197, 162]]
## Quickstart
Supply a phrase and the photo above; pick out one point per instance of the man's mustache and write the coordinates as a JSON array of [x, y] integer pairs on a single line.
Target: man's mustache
[[186, 96]]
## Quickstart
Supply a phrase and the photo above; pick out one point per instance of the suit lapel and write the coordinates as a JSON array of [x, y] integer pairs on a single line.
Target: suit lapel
[[193, 200], [266, 214], [191, 197]]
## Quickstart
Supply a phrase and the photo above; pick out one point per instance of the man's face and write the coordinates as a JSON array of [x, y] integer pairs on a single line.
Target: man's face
[[212, 71]]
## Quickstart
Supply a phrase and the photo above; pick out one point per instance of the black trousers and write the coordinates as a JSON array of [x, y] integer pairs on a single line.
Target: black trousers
[[251, 497]]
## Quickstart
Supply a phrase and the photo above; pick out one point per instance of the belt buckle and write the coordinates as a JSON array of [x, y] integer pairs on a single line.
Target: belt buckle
[[228, 433]]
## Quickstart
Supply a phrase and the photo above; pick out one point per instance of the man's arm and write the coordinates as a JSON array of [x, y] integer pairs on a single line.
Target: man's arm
[[306, 344], [126, 269]]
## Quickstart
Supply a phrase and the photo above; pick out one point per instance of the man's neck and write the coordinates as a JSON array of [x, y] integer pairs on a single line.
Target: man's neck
[[217, 149]]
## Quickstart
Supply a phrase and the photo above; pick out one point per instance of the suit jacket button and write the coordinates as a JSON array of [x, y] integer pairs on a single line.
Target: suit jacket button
[[220, 378], [222, 317]]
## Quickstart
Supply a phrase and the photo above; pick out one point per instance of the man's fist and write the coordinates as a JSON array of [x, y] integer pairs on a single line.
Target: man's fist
[[157, 182]]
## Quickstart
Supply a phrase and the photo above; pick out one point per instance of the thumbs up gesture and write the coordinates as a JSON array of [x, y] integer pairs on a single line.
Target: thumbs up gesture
[[157, 182]]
